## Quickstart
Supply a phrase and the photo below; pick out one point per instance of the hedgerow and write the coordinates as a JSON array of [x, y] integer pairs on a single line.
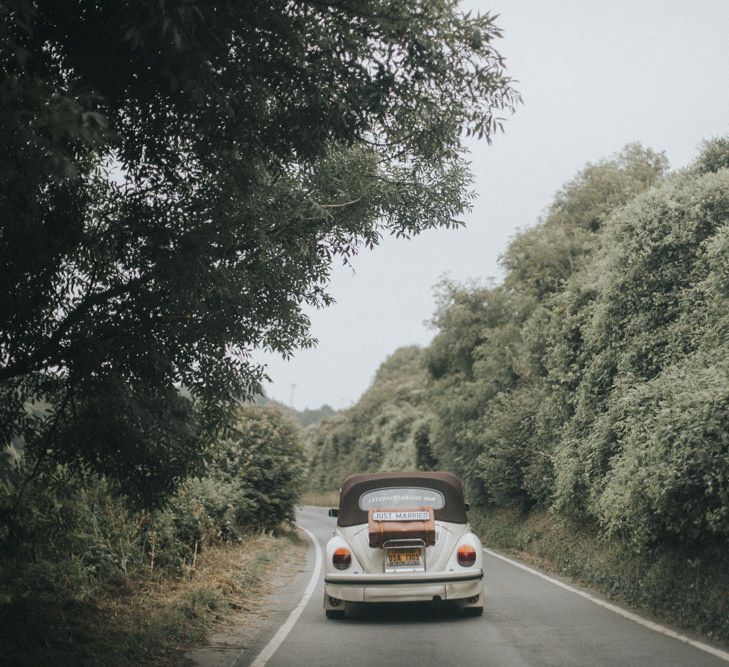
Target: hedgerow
[[71, 533], [591, 386]]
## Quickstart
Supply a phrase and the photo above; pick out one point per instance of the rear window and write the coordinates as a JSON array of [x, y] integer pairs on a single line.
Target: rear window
[[401, 498]]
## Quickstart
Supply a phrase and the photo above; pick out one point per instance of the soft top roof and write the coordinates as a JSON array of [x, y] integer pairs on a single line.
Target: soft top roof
[[447, 483]]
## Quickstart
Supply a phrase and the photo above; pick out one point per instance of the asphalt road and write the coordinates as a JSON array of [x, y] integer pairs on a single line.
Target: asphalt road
[[527, 621]]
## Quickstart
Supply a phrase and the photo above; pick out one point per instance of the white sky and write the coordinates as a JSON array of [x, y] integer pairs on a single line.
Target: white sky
[[595, 75]]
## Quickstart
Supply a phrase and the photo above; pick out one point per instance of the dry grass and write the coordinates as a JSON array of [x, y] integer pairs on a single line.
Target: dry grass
[[320, 498], [150, 622]]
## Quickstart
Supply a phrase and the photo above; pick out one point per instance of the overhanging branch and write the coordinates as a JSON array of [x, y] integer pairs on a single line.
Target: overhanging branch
[[44, 354]]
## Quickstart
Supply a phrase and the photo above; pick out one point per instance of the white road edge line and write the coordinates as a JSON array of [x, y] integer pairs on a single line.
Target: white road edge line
[[269, 649], [656, 627]]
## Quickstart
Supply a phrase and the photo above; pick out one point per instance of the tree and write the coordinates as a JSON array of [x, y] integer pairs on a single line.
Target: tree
[[181, 177], [262, 459], [507, 361]]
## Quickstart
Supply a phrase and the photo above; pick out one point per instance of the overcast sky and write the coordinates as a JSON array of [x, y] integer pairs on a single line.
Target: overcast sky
[[594, 75]]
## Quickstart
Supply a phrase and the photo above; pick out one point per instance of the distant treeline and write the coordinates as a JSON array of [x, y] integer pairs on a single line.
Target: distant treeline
[[303, 418], [389, 428], [593, 382]]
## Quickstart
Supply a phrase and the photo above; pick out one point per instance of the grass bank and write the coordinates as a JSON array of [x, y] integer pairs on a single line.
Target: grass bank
[[690, 590], [149, 622], [320, 498]]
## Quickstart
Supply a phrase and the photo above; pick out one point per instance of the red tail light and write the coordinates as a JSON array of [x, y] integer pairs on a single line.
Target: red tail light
[[342, 558], [466, 555]]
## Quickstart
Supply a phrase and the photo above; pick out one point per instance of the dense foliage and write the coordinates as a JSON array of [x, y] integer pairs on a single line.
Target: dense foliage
[[178, 178], [74, 536], [588, 394], [263, 460], [593, 382]]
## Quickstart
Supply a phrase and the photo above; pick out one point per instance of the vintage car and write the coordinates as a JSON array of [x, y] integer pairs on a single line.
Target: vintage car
[[402, 537]]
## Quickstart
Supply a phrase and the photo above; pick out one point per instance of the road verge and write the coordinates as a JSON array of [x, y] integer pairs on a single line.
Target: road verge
[[689, 593]]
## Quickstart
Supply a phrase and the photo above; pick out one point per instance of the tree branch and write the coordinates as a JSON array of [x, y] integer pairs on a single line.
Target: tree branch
[[45, 351], [343, 204]]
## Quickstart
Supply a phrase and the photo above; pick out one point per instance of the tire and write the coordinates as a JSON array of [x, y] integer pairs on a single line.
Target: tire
[[473, 611], [335, 614]]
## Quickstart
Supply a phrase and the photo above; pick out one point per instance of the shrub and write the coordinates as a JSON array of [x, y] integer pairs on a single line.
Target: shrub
[[72, 532], [263, 461]]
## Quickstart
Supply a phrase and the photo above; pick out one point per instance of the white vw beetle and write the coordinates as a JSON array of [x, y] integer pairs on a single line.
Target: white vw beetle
[[402, 537]]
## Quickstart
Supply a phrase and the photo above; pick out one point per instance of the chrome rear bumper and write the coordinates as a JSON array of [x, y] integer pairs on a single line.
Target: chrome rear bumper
[[404, 587]]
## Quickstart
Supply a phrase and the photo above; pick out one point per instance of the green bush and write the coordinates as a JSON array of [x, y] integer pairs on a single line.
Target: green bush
[[669, 482], [72, 532], [263, 460]]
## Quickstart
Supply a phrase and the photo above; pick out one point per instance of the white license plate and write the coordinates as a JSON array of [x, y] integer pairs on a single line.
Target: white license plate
[[397, 557], [401, 516], [407, 559]]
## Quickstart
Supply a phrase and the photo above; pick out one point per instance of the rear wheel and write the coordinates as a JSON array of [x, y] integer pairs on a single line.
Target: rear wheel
[[335, 614]]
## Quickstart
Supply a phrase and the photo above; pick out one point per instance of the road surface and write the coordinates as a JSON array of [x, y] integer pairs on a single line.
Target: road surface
[[528, 620]]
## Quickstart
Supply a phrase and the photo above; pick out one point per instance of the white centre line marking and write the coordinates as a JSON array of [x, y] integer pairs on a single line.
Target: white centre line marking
[[656, 627], [269, 649]]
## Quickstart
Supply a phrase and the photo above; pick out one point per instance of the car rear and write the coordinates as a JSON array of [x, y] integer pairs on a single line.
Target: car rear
[[403, 552]]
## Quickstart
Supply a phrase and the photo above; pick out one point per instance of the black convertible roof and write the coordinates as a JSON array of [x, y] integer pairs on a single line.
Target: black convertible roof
[[350, 514]]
